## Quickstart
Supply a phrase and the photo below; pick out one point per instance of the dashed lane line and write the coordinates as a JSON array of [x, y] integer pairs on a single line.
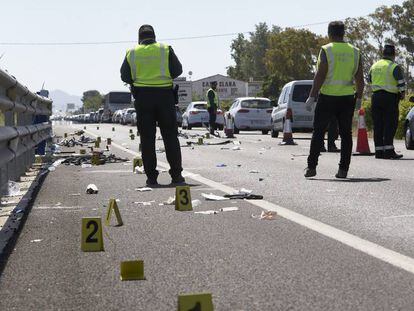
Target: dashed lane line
[[377, 251]]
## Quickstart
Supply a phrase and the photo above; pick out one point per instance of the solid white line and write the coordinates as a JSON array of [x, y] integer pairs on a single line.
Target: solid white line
[[389, 256], [400, 216]]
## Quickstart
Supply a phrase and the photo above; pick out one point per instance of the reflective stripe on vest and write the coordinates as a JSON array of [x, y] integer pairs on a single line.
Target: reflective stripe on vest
[[216, 99], [343, 63], [382, 76], [150, 65]]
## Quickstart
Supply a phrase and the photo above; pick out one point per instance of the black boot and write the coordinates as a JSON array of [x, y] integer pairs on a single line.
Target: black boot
[[392, 155], [379, 154]]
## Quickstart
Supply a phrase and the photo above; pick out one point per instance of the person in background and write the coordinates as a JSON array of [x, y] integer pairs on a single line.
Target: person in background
[[212, 105], [388, 85]]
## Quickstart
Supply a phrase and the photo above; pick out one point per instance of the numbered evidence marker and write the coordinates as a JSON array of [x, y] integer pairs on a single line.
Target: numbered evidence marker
[[132, 270], [136, 162], [113, 206], [195, 302], [183, 199], [92, 240]]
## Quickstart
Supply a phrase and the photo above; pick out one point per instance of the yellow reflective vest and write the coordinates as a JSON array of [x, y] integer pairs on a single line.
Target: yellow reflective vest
[[382, 76], [150, 65], [343, 62], [216, 99]]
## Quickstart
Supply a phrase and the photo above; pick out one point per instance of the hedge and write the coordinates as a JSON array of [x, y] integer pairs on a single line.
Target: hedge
[[405, 107]]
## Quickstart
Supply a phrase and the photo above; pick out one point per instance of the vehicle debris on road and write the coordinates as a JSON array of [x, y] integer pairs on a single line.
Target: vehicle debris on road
[[91, 189], [268, 215], [213, 197]]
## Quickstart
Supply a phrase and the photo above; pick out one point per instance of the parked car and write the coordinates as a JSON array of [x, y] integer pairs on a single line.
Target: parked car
[[179, 115], [292, 103], [99, 114], [91, 117], [126, 116], [134, 118], [409, 128], [116, 117], [251, 114], [196, 115]]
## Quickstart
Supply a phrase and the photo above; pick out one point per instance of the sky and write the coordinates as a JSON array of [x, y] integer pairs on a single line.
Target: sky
[[77, 68]]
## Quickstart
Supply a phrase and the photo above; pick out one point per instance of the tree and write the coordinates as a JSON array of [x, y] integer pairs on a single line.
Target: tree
[[292, 55], [92, 100]]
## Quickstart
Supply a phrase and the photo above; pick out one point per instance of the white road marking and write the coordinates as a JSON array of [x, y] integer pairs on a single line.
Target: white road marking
[[107, 171], [57, 207], [400, 216], [377, 251]]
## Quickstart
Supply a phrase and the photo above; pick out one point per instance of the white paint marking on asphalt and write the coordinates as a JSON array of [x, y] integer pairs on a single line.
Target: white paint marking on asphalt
[[389, 256], [400, 216], [57, 207], [108, 171]]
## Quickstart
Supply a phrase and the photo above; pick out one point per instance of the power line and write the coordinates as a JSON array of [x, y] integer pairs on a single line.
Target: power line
[[133, 42]]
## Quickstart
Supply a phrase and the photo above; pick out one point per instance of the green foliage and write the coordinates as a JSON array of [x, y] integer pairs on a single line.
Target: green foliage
[[92, 100], [225, 105], [405, 107]]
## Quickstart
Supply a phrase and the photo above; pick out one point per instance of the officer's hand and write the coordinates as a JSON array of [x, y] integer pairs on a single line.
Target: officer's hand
[[310, 103], [358, 103]]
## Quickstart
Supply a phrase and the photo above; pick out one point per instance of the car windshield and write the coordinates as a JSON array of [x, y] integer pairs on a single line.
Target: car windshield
[[301, 92], [256, 104], [200, 106]]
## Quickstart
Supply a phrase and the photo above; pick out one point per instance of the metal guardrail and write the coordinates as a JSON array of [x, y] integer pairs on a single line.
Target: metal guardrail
[[19, 135]]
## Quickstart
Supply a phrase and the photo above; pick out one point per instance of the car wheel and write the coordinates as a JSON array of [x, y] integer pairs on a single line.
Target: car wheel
[[265, 132], [409, 142], [274, 133]]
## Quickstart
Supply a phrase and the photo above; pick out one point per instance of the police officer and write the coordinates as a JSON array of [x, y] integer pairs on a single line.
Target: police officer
[[388, 85], [339, 64], [212, 105], [150, 68]]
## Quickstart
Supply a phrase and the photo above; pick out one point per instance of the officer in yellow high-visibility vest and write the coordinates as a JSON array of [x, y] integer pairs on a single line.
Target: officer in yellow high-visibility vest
[[212, 105], [339, 86], [149, 69], [388, 86]]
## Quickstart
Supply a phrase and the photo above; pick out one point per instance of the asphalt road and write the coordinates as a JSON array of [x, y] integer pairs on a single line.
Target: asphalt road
[[336, 245]]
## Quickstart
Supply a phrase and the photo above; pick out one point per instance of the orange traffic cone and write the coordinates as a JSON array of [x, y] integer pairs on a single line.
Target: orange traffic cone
[[362, 142], [287, 130]]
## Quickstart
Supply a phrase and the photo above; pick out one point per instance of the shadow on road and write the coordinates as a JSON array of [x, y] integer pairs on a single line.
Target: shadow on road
[[351, 180], [175, 185]]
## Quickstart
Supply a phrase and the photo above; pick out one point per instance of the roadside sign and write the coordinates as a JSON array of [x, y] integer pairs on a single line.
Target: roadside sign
[[113, 206], [195, 302], [183, 199], [92, 240]]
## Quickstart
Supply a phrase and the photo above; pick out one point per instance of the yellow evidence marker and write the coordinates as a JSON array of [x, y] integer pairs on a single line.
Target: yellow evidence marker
[[132, 270], [108, 141], [97, 143], [200, 141], [113, 129], [136, 162], [195, 302], [92, 240], [113, 206], [99, 139], [183, 199], [65, 135]]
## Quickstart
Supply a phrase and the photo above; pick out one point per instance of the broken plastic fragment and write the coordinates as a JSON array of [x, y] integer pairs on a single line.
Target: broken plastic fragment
[[36, 241], [268, 215], [13, 188], [207, 212], [254, 172], [221, 165], [143, 189], [196, 203], [91, 189], [213, 197], [149, 203], [229, 209]]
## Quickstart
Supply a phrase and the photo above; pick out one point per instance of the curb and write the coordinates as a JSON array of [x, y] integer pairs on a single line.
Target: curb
[[14, 224]]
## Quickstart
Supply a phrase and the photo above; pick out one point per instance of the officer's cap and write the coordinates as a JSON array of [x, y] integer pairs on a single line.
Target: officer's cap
[[146, 32]]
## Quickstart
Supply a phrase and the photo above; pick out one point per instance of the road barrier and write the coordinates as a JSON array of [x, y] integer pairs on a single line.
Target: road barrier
[[19, 135]]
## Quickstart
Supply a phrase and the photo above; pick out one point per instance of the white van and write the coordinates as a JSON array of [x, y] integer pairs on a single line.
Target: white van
[[292, 102]]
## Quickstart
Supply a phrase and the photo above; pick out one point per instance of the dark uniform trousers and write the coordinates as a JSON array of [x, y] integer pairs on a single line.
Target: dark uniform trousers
[[332, 132], [385, 117], [328, 107], [213, 117], [152, 106]]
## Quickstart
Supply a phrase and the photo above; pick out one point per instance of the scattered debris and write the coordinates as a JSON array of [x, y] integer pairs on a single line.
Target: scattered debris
[[13, 189], [207, 212], [268, 215], [261, 179], [229, 209], [254, 172], [196, 203], [87, 159], [149, 203], [51, 168], [139, 170], [36, 241], [91, 189], [236, 148], [170, 201], [85, 165], [143, 189], [75, 195], [243, 191], [236, 142], [221, 165], [213, 197], [244, 196]]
